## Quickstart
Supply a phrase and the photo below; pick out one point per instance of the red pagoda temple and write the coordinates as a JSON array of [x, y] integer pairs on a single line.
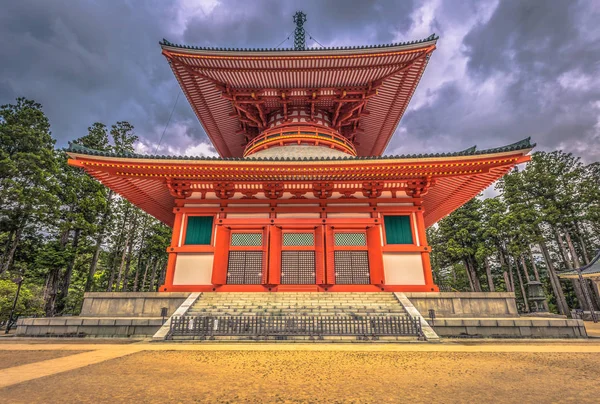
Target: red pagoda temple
[[300, 198]]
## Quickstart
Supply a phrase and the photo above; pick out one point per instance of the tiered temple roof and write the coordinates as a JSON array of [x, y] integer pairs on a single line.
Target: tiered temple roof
[[363, 90], [446, 181]]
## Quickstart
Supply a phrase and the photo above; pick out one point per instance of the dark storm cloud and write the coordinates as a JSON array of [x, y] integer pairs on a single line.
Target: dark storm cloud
[[265, 23], [531, 70], [501, 72]]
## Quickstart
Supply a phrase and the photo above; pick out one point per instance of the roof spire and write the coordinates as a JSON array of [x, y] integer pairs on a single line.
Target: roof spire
[[299, 38]]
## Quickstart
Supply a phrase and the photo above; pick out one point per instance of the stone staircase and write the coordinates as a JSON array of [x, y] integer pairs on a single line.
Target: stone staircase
[[296, 304], [341, 311]]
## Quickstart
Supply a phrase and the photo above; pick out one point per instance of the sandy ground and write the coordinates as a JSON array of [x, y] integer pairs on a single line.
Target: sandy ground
[[10, 359], [445, 373]]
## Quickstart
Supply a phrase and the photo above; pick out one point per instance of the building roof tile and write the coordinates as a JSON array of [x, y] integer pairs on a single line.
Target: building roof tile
[[432, 37], [472, 151]]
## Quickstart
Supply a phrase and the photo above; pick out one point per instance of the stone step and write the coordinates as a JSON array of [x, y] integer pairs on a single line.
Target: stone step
[[296, 304]]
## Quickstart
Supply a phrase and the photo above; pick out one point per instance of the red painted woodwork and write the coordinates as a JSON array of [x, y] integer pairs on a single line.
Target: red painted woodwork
[[375, 255], [451, 181], [233, 93]]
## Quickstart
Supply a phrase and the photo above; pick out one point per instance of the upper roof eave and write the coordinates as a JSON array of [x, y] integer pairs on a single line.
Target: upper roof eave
[[278, 52], [524, 146]]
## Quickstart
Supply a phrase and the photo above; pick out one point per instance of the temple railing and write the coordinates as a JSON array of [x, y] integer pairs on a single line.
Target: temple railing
[[300, 135], [207, 327]]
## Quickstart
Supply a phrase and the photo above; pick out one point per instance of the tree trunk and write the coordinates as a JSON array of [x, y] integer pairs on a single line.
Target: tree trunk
[[113, 268], [51, 292], [505, 264], [153, 278], [476, 282], [161, 278], [99, 240], [563, 251], [582, 242], [130, 242], [577, 286], [468, 272], [510, 274], [525, 268], [66, 280], [7, 245], [561, 302], [6, 265], [488, 272], [574, 255], [53, 281], [506, 280], [522, 286], [148, 264], [139, 258]]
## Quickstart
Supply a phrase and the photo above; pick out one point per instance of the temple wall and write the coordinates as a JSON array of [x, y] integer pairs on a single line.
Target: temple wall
[[403, 269], [193, 269], [392, 265]]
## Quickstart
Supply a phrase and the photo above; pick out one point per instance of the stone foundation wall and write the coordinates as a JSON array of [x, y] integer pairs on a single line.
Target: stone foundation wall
[[523, 327], [130, 304], [88, 327], [106, 314], [465, 304]]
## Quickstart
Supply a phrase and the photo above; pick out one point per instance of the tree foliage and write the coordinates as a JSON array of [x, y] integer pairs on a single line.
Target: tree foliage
[[60, 229], [544, 220]]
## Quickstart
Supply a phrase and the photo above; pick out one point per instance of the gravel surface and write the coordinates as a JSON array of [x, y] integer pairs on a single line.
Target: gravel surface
[[322, 376]]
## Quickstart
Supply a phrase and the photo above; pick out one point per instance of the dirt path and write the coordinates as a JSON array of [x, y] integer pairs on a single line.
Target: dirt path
[[8, 359]]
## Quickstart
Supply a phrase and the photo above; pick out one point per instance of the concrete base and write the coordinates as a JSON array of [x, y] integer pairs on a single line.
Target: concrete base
[[121, 314], [457, 315], [130, 304], [520, 327], [490, 314], [465, 304], [88, 327]]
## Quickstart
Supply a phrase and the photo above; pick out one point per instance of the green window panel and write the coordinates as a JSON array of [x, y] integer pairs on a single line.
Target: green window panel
[[199, 230], [298, 239], [397, 230], [350, 239], [246, 239]]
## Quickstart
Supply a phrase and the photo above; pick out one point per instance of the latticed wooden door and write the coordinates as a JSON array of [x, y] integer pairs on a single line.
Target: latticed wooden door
[[351, 258], [298, 266], [246, 259]]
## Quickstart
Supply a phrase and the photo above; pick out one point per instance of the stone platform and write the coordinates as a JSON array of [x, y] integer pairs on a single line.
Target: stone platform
[[457, 314], [111, 314], [490, 315]]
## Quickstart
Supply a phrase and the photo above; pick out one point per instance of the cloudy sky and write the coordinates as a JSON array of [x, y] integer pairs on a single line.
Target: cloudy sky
[[502, 71]]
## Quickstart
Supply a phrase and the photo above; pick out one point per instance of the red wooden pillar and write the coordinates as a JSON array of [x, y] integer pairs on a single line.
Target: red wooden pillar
[[375, 255], [428, 275], [175, 239], [219, 272], [330, 256], [275, 241], [320, 255]]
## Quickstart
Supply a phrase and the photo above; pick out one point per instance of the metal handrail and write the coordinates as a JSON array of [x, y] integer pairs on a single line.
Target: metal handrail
[[283, 326]]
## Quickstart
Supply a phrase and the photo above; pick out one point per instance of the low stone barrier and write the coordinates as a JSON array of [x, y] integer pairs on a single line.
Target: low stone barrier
[[116, 314], [521, 327], [130, 304], [465, 304]]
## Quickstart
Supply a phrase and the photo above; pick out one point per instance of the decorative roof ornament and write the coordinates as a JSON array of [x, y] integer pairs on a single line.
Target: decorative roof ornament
[[299, 33]]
